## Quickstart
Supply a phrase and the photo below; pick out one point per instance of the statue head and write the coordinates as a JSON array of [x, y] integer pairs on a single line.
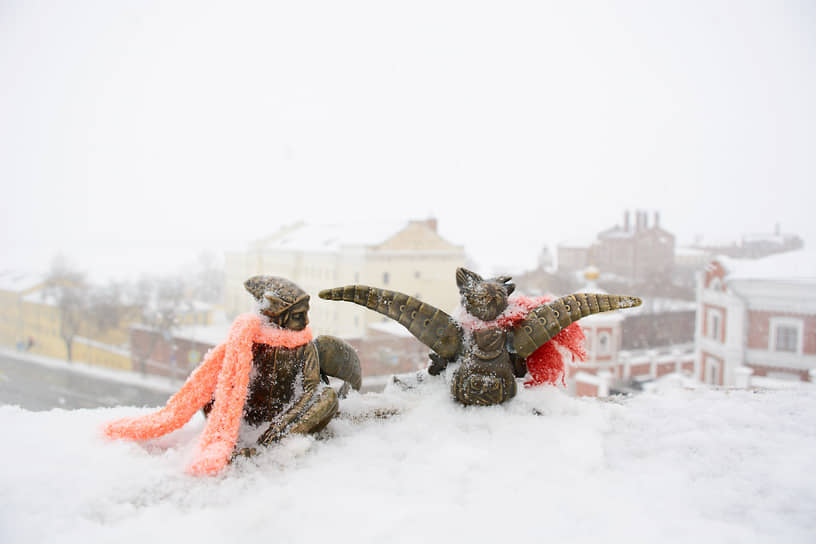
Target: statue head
[[483, 298], [283, 302]]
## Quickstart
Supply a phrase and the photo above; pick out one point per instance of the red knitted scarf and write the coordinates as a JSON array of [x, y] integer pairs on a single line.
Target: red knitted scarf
[[547, 363]]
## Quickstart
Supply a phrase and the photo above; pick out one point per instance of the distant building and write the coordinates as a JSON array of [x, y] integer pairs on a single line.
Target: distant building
[[31, 321], [635, 250], [752, 246], [608, 367], [176, 352], [410, 257], [757, 315], [688, 262]]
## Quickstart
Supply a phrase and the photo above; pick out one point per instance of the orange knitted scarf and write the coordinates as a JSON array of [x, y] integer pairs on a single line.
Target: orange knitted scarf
[[223, 375]]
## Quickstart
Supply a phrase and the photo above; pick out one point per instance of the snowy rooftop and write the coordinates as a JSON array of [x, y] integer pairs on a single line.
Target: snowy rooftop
[[690, 252], [43, 297], [792, 265], [657, 305], [17, 282], [679, 466], [391, 327], [331, 238], [579, 243], [208, 334]]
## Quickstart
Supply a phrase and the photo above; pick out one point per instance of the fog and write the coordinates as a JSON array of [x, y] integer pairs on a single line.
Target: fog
[[136, 134]]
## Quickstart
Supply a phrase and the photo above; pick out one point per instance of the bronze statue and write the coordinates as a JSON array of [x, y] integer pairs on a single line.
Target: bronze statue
[[284, 375], [494, 351], [267, 373]]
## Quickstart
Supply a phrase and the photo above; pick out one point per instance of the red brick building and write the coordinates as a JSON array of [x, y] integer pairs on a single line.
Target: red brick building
[[757, 314], [639, 251], [607, 367]]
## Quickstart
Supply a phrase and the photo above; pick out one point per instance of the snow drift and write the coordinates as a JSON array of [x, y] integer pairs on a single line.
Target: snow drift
[[702, 464]]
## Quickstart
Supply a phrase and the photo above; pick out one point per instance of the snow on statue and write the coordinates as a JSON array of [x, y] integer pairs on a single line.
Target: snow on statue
[[498, 339], [284, 393]]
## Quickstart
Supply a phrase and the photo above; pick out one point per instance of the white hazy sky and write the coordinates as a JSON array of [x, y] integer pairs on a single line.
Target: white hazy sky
[[157, 129]]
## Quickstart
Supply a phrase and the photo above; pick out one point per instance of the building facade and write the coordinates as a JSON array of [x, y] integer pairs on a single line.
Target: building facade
[[609, 367], [31, 321], [410, 257], [758, 315], [637, 251]]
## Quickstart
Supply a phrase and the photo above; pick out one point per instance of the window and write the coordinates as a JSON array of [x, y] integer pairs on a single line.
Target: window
[[714, 322], [713, 372], [385, 278], [786, 338], [416, 274], [603, 343], [786, 335]]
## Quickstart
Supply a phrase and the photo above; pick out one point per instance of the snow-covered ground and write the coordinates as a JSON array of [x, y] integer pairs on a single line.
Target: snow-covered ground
[[683, 465]]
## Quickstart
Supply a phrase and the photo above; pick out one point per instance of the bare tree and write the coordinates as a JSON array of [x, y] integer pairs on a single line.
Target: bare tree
[[159, 299], [106, 307], [66, 287], [207, 282]]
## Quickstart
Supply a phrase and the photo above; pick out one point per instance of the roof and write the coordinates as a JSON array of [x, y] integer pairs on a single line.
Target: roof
[[690, 252], [18, 282], [336, 237], [391, 327], [792, 265]]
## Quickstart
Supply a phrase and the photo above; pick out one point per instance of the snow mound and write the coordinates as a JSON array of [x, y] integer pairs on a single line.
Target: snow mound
[[412, 465]]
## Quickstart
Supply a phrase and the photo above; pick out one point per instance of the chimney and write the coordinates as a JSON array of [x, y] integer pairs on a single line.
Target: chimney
[[638, 220], [626, 221], [656, 218], [431, 222]]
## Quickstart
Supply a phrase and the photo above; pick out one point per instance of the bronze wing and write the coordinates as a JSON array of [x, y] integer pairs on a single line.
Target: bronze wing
[[428, 324], [544, 322]]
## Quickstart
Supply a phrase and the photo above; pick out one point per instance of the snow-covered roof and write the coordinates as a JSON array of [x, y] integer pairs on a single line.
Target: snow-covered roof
[[207, 334], [577, 243], [332, 238], [659, 305], [616, 232], [18, 282], [41, 297], [792, 265], [769, 237], [390, 327], [690, 252]]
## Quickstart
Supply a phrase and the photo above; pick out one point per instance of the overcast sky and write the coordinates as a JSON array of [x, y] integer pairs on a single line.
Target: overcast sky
[[157, 129]]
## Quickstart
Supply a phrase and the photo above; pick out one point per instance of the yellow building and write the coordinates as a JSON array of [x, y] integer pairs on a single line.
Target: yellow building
[[13, 287], [408, 257], [30, 321]]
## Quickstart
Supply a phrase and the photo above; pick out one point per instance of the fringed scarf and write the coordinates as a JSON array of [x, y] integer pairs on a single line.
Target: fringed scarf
[[546, 364], [223, 375]]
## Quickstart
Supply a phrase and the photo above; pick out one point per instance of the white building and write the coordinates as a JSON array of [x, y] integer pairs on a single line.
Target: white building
[[757, 314], [409, 257]]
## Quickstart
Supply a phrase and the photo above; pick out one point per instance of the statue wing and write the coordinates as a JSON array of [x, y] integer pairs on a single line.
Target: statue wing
[[547, 320], [428, 324]]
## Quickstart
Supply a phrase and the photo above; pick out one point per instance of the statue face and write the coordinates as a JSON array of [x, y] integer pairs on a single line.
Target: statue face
[[484, 300], [295, 318]]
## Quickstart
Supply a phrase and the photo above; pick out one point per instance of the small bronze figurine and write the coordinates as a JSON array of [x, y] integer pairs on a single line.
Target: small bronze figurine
[[268, 372], [289, 377], [493, 341]]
